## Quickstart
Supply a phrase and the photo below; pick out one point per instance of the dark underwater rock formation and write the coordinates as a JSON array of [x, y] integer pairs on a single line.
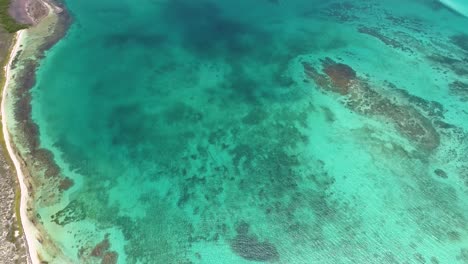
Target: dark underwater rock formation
[[364, 99], [459, 89], [73, 212], [341, 75], [461, 41], [441, 173], [376, 33], [249, 247], [101, 247]]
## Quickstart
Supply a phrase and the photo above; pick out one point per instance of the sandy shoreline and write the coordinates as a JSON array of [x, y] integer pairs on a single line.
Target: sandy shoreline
[[48, 28], [27, 48], [30, 230]]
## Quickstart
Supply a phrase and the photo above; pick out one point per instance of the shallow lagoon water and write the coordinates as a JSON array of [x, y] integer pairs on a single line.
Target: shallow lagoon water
[[257, 131]]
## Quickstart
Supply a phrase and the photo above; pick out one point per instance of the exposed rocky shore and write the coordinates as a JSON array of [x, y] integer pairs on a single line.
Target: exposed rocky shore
[[12, 243]]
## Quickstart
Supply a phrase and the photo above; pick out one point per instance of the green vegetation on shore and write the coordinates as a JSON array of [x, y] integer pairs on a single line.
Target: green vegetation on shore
[[7, 22]]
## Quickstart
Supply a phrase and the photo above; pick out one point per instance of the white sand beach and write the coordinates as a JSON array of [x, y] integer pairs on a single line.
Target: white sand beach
[[30, 230]]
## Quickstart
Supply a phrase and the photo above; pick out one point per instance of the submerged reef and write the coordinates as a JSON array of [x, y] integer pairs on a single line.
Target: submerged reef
[[274, 131], [375, 32], [100, 253], [461, 41], [459, 89], [363, 99], [249, 247]]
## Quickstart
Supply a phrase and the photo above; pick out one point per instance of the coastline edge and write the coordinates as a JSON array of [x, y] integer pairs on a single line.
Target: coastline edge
[[29, 229]]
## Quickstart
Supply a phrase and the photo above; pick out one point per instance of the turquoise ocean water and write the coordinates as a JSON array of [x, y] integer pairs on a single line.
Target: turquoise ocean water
[[257, 131]]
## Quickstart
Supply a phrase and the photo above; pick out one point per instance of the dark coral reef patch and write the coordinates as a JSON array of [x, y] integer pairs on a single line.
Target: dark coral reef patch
[[73, 212], [100, 249], [460, 41], [459, 89], [251, 248], [100, 253], [376, 33], [362, 98], [340, 74]]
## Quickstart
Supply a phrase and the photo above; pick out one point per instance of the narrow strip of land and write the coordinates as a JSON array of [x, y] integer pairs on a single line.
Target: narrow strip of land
[[29, 229]]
